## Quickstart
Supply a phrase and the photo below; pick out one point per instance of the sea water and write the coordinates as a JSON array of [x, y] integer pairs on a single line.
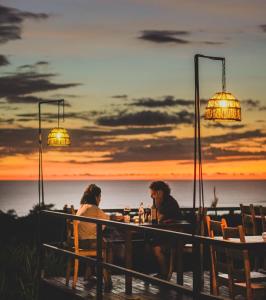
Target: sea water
[[23, 195]]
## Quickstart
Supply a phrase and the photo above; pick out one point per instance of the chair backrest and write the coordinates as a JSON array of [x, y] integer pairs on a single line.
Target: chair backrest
[[258, 212], [214, 228], [200, 220], [234, 232], [248, 219], [69, 225], [218, 261], [237, 260], [76, 236]]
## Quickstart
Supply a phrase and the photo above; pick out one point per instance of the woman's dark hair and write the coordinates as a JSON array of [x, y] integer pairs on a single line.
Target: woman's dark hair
[[90, 194], [160, 186]]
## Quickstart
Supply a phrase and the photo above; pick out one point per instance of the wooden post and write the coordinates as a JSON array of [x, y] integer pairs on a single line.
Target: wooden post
[[179, 262], [128, 279], [197, 269], [99, 260]]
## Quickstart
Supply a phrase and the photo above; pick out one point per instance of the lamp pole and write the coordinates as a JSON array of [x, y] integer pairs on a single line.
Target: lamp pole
[[197, 223], [197, 133], [40, 179]]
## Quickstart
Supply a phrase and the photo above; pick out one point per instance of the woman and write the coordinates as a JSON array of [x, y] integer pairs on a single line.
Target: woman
[[89, 207], [87, 231]]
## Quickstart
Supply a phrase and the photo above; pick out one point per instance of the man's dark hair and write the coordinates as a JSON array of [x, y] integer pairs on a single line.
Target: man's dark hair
[[90, 194], [160, 186]]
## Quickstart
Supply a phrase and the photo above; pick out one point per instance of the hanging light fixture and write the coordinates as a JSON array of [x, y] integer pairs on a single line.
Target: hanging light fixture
[[223, 105], [58, 137]]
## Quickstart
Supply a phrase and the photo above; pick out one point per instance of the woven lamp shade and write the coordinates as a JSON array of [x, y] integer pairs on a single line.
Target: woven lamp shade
[[58, 137], [223, 106]]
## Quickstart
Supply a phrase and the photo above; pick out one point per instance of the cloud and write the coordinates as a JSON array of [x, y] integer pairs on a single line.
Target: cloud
[[119, 149], [263, 27], [164, 36], [85, 116], [3, 60], [172, 148], [146, 118], [171, 36], [33, 66], [157, 149], [18, 141], [212, 153], [6, 121], [167, 101], [123, 96], [212, 43], [11, 20], [222, 125], [251, 104], [235, 136], [18, 87], [42, 63]]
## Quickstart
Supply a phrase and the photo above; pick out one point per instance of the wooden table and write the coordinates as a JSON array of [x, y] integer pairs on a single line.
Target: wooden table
[[181, 226], [248, 238]]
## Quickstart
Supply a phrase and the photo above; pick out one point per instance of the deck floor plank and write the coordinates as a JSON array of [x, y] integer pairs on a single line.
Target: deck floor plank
[[141, 290]]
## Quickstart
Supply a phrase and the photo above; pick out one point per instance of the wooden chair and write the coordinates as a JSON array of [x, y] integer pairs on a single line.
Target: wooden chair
[[176, 252], [241, 279], [263, 226], [214, 228], [248, 219], [72, 236], [218, 270]]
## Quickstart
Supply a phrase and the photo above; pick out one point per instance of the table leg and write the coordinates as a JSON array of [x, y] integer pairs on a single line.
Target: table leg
[[179, 262], [128, 257]]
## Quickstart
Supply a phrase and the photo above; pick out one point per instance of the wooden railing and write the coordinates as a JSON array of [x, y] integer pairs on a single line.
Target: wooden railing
[[195, 292]]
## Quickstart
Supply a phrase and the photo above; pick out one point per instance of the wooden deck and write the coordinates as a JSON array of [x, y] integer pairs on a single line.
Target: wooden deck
[[141, 290]]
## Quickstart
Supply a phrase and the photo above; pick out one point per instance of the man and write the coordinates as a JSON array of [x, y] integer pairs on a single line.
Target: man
[[168, 211], [167, 207]]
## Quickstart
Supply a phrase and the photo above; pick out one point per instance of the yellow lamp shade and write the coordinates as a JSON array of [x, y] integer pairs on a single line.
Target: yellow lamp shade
[[58, 137], [223, 106]]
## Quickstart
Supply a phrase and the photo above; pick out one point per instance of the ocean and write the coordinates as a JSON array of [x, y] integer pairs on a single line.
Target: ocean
[[23, 195]]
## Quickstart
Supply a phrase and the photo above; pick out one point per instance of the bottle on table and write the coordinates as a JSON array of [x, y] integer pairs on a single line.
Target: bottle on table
[[141, 213], [147, 217], [127, 210], [154, 219]]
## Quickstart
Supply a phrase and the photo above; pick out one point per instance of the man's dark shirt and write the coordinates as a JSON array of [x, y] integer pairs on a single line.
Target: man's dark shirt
[[169, 210]]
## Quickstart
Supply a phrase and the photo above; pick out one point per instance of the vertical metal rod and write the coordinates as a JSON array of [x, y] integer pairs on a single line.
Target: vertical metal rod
[[196, 70], [40, 181], [99, 266], [63, 111], [58, 111], [224, 78]]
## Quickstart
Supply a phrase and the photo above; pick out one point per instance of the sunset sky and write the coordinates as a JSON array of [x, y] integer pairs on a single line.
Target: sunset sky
[[125, 69]]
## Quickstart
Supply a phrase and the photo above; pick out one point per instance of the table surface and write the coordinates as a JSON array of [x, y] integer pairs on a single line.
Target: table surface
[[249, 239]]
